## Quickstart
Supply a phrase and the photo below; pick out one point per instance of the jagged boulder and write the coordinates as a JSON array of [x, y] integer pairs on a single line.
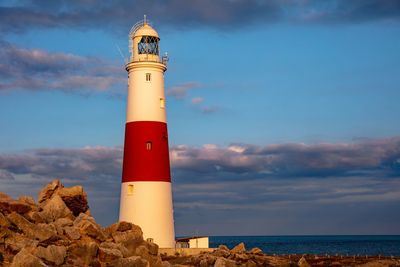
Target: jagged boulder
[[303, 262], [47, 192], [3, 221], [109, 254], [240, 248], [75, 198], [222, 262], [8, 205], [54, 209], [31, 230], [133, 261], [24, 258], [15, 242], [88, 226], [110, 245], [256, 251], [55, 255], [82, 253]]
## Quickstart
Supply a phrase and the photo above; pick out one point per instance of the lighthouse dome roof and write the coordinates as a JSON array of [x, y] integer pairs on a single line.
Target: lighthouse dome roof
[[143, 28]]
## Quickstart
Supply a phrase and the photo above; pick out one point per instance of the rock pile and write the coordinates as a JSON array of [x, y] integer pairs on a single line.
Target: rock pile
[[225, 257], [58, 230]]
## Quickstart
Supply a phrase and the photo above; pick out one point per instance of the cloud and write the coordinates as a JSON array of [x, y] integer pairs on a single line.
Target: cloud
[[5, 175], [220, 14], [197, 100], [276, 179], [378, 158], [197, 103], [36, 69], [209, 109], [180, 91]]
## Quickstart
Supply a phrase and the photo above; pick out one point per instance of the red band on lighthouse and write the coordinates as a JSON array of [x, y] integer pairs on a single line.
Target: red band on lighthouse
[[146, 155]]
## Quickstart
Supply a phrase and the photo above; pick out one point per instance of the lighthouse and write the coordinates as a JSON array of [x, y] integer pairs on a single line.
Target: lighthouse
[[146, 193]]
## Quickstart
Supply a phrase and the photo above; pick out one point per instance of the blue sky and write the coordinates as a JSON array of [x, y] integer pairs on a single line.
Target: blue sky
[[282, 115]]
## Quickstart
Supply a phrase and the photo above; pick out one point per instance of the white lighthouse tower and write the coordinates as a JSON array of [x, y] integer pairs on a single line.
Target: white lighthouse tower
[[146, 195]]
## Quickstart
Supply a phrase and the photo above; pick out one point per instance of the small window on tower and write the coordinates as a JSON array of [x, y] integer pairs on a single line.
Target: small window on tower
[[162, 103], [149, 145], [130, 189], [148, 77]]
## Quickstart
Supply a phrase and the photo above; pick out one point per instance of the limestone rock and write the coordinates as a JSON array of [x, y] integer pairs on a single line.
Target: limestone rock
[[47, 192], [222, 253], [240, 248], [242, 257], [119, 227], [34, 216], [25, 259], [53, 254], [256, 251], [133, 261], [62, 222], [30, 229], [166, 264], [143, 252], [54, 209], [3, 221], [203, 263], [88, 226], [303, 262], [109, 254], [222, 262], [130, 239], [29, 201], [134, 234], [75, 198], [110, 245], [250, 263], [16, 242], [72, 233], [8, 205], [86, 252], [153, 248], [4, 196], [223, 247]]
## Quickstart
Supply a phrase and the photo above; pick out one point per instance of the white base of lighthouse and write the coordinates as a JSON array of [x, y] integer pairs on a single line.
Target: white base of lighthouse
[[149, 205]]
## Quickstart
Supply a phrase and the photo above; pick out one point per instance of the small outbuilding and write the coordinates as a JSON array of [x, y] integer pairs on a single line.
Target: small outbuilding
[[192, 242]]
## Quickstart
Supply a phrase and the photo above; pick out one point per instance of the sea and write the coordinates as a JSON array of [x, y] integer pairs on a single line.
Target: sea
[[385, 245]]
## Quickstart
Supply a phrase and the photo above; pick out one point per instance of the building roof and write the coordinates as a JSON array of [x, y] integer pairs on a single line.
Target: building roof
[[186, 239], [142, 28]]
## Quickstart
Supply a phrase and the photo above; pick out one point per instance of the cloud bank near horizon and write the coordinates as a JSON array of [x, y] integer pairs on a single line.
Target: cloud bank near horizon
[[224, 180], [25, 15]]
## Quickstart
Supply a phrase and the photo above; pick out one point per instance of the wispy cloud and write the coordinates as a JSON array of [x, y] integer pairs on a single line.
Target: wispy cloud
[[220, 14], [180, 91], [197, 100], [36, 69]]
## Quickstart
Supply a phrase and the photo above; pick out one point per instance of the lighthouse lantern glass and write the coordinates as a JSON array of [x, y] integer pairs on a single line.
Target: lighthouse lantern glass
[[148, 45]]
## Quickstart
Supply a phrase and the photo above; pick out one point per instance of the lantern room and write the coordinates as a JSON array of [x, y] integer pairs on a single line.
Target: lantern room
[[144, 42]]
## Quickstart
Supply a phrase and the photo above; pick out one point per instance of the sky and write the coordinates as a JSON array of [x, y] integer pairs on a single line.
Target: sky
[[283, 115]]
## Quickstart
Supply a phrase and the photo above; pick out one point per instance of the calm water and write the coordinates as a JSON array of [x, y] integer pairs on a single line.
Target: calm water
[[321, 245]]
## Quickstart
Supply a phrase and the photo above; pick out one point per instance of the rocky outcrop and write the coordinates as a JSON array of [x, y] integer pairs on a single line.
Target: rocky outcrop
[[59, 231]]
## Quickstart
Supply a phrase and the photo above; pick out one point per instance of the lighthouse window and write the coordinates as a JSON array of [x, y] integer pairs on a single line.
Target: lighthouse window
[[130, 189], [162, 103], [148, 45], [149, 145], [148, 77]]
